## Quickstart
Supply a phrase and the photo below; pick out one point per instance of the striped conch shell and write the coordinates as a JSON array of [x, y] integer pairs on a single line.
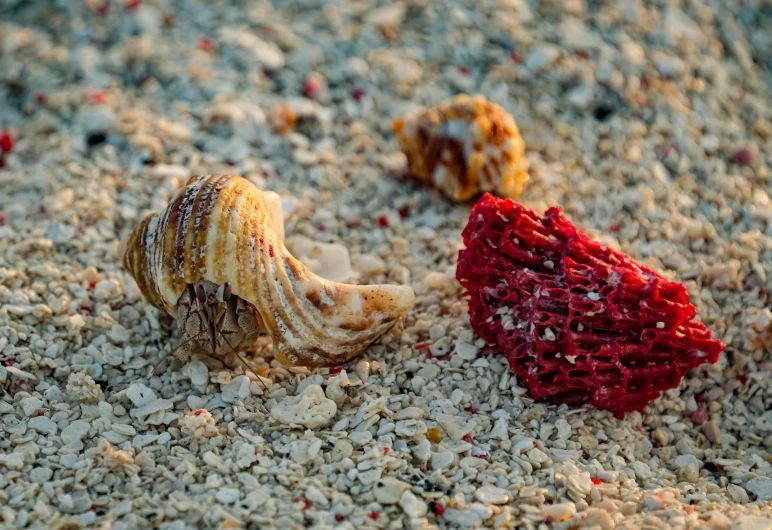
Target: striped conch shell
[[222, 231], [464, 147]]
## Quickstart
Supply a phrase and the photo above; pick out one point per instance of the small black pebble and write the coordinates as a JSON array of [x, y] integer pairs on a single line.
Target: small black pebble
[[433, 506], [710, 466], [96, 139], [602, 112], [408, 375], [430, 486]]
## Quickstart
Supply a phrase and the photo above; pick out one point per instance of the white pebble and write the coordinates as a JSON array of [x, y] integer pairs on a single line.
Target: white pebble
[[140, 395], [468, 352], [442, 460], [238, 389], [43, 425], [542, 57], [559, 512], [455, 426], [228, 495], [14, 461], [75, 431], [41, 475], [389, 490], [30, 405], [311, 408], [492, 495], [197, 372], [761, 487], [412, 505]]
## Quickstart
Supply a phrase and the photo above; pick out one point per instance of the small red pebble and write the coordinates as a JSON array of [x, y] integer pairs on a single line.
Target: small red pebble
[[464, 70], [386, 450], [357, 94], [423, 346], [41, 99], [437, 508], [3, 218], [2, 163], [700, 416], [614, 228], [312, 85], [404, 212], [516, 57], [743, 157], [742, 378], [383, 221], [468, 439], [97, 98], [9, 362], [702, 398], [86, 308], [472, 410], [373, 516], [595, 481], [590, 323], [199, 412], [334, 371], [422, 468], [131, 5], [205, 44], [339, 518], [6, 141]]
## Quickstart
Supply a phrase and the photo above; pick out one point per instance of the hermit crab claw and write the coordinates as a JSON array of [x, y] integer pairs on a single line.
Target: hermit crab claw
[[223, 236]]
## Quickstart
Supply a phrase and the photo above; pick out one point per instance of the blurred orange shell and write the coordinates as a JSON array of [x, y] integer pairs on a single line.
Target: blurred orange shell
[[465, 147]]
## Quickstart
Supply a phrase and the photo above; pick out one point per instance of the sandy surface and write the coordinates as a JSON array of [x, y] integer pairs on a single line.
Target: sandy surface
[[649, 124]]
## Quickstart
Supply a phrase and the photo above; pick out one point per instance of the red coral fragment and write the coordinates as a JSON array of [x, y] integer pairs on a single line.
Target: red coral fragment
[[577, 321], [742, 157], [6, 142], [700, 416]]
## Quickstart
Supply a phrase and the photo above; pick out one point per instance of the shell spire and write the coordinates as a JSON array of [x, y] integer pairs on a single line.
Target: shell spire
[[222, 229]]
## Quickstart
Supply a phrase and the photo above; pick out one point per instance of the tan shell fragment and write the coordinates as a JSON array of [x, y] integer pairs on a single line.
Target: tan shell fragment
[[465, 147], [222, 229]]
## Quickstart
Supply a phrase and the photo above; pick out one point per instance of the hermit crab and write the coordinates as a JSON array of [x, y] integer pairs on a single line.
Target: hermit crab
[[464, 147], [214, 259]]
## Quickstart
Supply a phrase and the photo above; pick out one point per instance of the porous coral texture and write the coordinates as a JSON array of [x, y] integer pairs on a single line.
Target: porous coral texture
[[577, 320]]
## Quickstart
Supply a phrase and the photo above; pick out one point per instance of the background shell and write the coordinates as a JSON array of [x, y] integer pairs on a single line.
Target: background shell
[[464, 147]]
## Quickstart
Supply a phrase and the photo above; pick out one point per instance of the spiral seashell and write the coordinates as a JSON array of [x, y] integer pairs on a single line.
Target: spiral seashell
[[464, 147], [221, 230]]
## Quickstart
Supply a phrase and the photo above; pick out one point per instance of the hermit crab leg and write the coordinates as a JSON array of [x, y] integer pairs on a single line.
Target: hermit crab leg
[[180, 345]]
